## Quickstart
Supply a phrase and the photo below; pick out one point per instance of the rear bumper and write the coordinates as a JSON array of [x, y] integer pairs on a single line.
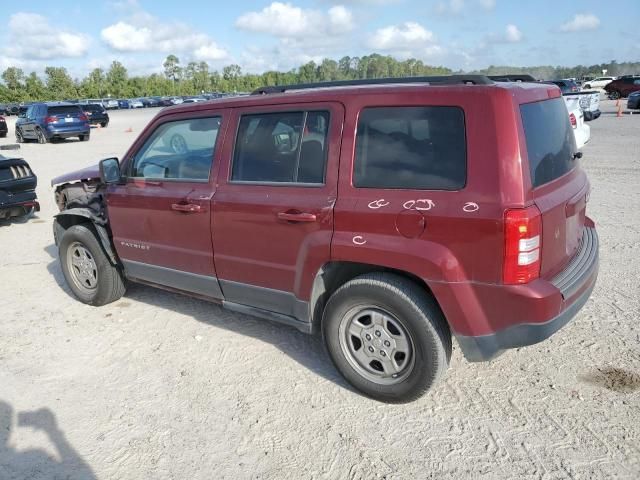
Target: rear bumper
[[571, 288], [17, 204], [62, 132], [591, 115]]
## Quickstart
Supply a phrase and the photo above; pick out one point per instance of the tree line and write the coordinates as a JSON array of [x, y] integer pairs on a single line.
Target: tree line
[[196, 77]]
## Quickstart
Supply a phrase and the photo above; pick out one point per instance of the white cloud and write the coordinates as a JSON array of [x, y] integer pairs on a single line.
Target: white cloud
[[285, 20], [32, 37], [581, 22], [512, 34], [408, 35], [144, 33]]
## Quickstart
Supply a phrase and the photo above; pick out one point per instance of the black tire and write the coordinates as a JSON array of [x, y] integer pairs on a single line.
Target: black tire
[[587, 86], [3, 135], [110, 284], [19, 137], [84, 138], [104, 124], [40, 136], [416, 312], [615, 95]]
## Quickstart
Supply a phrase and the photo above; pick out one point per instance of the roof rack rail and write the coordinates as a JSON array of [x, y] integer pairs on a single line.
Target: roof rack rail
[[433, 80], [512, 78]]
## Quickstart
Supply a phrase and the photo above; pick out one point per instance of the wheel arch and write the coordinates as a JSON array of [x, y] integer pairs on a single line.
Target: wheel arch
[[332, 275], [76, 216]]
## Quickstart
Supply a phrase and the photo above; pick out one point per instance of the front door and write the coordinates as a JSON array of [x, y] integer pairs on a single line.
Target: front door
[[161, 214], [273, 210]]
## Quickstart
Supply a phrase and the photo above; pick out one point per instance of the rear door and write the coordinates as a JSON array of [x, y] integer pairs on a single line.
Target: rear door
[[560, 186], [161, 215], [28, 122], [273, 211]]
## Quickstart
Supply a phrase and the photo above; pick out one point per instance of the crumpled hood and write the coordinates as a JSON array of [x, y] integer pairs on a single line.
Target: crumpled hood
[[87, 173]]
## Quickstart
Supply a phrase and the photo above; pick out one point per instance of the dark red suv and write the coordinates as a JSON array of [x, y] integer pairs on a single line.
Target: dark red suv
[[388, 215], [623, 86]]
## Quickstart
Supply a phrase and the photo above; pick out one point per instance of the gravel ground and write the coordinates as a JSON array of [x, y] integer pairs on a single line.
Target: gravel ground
[[166, 387]]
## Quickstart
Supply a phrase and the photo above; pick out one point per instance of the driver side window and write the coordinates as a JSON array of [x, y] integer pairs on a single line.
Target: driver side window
[[179, 150]]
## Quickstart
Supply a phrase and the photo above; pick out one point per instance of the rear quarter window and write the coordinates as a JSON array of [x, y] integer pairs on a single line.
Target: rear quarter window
[[414, 148], [550, 140]]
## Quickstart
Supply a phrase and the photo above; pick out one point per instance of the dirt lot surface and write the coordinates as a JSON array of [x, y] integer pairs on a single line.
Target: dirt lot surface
[[160, 386]]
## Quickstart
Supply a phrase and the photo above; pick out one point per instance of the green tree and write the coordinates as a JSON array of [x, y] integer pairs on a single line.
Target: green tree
[[13, 78], [35, 88], [60, 85], [117, 80]]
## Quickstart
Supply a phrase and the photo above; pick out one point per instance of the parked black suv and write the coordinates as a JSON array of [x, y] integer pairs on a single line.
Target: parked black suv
[[96, 114]]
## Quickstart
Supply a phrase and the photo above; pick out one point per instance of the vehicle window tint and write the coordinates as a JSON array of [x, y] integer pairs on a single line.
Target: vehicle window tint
[[550, 140], [92, 108], [284, 147], [65, 110], [411, 148], [178, 150]]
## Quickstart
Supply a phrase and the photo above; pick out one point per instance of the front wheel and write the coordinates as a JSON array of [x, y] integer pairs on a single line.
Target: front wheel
[[83, 138], [387, 337], [19, 137], [615, 95], [88, 272]]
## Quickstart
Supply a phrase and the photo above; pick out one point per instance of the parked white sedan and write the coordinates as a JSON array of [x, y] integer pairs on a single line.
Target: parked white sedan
[[598, 82]]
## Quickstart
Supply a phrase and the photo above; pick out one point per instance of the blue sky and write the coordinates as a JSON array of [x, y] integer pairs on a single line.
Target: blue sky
[[263, 35]]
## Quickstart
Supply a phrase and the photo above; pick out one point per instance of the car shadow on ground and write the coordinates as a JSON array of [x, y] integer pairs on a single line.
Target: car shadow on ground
[[19, 464], [307, 350]]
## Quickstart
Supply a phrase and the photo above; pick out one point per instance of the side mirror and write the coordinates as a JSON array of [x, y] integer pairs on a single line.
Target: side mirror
[[109, 171]]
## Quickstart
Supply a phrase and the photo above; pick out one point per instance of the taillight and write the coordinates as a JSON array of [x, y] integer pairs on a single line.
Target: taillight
[[572, 119], [523, 245], [51, 120], [83, 117]]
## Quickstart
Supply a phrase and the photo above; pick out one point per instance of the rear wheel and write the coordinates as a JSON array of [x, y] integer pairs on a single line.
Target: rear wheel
[[19, 137], [84, 138], [40, 136], [3, 135], [615, 95], [387, 337], [104, 124], [86, 268]]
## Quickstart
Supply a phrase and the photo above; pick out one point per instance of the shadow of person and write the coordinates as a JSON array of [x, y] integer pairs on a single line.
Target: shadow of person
[[37, 464]]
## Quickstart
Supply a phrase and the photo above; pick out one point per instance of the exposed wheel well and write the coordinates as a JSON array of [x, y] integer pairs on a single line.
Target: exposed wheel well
[[335, 274]]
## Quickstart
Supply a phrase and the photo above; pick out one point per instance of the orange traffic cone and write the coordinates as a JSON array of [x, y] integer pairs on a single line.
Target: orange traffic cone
[[619, 114]]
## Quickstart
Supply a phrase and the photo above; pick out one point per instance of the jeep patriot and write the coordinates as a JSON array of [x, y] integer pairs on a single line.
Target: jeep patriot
[[388, 215]]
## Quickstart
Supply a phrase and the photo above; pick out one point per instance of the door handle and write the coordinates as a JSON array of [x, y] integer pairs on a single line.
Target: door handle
[[187, 207], [296, 217]]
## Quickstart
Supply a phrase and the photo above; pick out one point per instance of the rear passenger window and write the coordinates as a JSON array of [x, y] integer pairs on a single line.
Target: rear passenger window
[[421, 148], [283, 147]]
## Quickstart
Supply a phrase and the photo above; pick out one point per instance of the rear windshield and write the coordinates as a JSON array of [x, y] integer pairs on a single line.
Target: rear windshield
[[550, 140], [65, 110]]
